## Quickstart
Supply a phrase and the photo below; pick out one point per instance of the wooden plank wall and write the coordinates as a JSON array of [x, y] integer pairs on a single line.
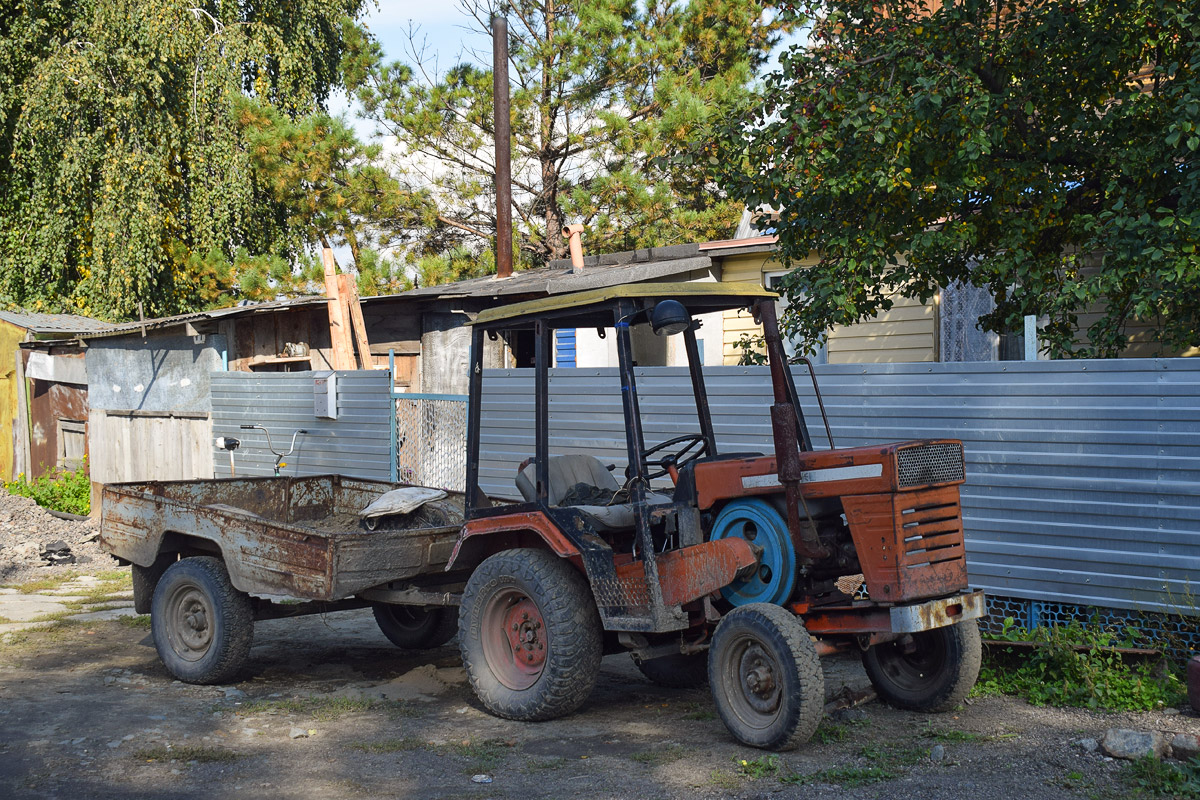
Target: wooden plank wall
[[148, 446]]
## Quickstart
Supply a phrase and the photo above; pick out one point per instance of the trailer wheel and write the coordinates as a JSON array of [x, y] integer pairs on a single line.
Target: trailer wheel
[[766, 677], [530, 635], [676, 671], [202, 626], [416, 627], [933, 671]]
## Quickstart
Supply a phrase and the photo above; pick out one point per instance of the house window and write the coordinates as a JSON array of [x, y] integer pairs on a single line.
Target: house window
[[72, 443], [818, 354]]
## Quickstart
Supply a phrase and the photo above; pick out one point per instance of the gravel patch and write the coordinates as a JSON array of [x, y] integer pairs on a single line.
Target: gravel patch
[[27, 529]]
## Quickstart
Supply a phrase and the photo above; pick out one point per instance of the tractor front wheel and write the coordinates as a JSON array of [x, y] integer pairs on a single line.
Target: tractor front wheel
[[928, 671], [766, 677], [530, 635]]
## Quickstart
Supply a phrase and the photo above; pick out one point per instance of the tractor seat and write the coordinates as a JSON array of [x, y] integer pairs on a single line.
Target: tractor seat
[[566, 472]]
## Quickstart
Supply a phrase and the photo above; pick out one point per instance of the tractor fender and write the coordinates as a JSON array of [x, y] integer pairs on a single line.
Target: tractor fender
[[520, 524]]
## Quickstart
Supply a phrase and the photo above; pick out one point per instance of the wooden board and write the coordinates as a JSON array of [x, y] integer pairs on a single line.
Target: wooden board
[[348, 292], [339, 324]]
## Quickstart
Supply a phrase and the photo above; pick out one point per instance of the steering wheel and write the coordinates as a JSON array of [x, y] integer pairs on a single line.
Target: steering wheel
[[695, 447]]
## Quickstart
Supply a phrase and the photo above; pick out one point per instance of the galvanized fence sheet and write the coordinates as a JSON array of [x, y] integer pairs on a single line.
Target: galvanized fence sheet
[[1082, 476], [357, 443]]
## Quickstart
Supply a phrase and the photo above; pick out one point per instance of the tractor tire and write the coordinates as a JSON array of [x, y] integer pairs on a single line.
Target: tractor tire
[[766, 677], [934, 673], [416, 627], [676, 671], [202, 626], [530, 635]]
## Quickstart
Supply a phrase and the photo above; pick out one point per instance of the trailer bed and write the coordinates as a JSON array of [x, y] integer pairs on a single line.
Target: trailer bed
[[281, 536]]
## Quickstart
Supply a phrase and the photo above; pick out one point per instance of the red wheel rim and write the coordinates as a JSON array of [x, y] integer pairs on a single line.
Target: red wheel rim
[[514, 639]]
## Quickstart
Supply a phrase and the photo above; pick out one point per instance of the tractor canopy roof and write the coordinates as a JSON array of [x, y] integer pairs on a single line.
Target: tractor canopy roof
[[594, 308]]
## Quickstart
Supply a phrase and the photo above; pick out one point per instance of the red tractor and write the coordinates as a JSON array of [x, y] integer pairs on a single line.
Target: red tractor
[[743, 571]]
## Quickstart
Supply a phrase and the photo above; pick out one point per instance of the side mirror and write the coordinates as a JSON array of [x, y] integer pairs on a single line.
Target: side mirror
[[669, 317]]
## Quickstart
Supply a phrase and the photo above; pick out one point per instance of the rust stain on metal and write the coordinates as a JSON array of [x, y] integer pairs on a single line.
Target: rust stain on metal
[[693, 572]]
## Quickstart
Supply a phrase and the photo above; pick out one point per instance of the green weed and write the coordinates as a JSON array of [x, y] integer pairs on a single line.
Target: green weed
[[1151, 777], [755, 768], [141, 622], [484, 756], [322, 709], [940, 735], [70, 492], [830, 732], [721, 779], [1059, 673]]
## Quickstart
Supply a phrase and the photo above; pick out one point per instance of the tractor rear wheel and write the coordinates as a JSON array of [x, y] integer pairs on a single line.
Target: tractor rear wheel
[[931, 671], [766, 677], [530, 635]]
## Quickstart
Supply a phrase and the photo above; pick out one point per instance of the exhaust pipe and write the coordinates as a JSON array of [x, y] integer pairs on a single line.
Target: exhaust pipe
[[574, 242], [504, 244]]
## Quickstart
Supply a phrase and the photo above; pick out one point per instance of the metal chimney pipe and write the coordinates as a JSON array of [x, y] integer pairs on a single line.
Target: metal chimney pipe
[[503, 127], [572, 234]]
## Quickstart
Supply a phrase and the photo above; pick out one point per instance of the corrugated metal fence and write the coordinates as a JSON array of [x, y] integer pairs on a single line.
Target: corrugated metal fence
[[1083, 477], [357, 443]]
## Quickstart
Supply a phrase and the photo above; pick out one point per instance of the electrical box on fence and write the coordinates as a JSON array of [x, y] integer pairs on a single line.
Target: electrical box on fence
[[325, 395]]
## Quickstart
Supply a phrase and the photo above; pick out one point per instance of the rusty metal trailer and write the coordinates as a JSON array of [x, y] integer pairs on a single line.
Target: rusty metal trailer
[[209, 557]]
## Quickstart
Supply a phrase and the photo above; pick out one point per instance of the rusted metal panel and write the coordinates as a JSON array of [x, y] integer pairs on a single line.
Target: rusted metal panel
[[938, 613], [531, 521], [692, 572], [910, 544], [277, 535]]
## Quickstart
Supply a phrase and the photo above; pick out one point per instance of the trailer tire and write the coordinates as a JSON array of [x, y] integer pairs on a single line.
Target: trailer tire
[[202, 626], [766, 677], [416, 627], [530, 635], [936, 676], [676, 671]]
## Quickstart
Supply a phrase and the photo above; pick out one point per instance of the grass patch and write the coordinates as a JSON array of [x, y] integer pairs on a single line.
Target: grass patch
[[202, 755], [545, 764], [698, 712], [322, 709], [483, 756], [723, 779], [893, 755], [6, 621], [756, 768], [1076, 665], [850, 777], [390, 745], [939, 735], [1149, 777], [42, 584], [830, 732], [140, 622], [665, 755]]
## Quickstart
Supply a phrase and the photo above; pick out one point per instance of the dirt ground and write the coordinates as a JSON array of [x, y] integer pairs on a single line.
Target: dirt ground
[[328, 708]]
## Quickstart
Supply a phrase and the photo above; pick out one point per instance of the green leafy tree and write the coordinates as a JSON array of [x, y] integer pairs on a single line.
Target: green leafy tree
[[1044, 150], [126, 178], [613, 103], [331, 183]]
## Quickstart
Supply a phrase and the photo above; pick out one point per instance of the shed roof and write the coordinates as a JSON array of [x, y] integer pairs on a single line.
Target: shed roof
[[57, 324], [558, 277]]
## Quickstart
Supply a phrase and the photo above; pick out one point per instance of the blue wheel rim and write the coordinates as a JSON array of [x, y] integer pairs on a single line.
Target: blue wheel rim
[[759, 523]]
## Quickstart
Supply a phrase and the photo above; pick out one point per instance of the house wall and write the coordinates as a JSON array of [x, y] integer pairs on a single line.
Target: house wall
[[10, 337], [49, 403], [907, 332], [150, 404]]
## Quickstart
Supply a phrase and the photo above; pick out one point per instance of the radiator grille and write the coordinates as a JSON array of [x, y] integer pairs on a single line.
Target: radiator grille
[[922, 465], [931, 531]]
